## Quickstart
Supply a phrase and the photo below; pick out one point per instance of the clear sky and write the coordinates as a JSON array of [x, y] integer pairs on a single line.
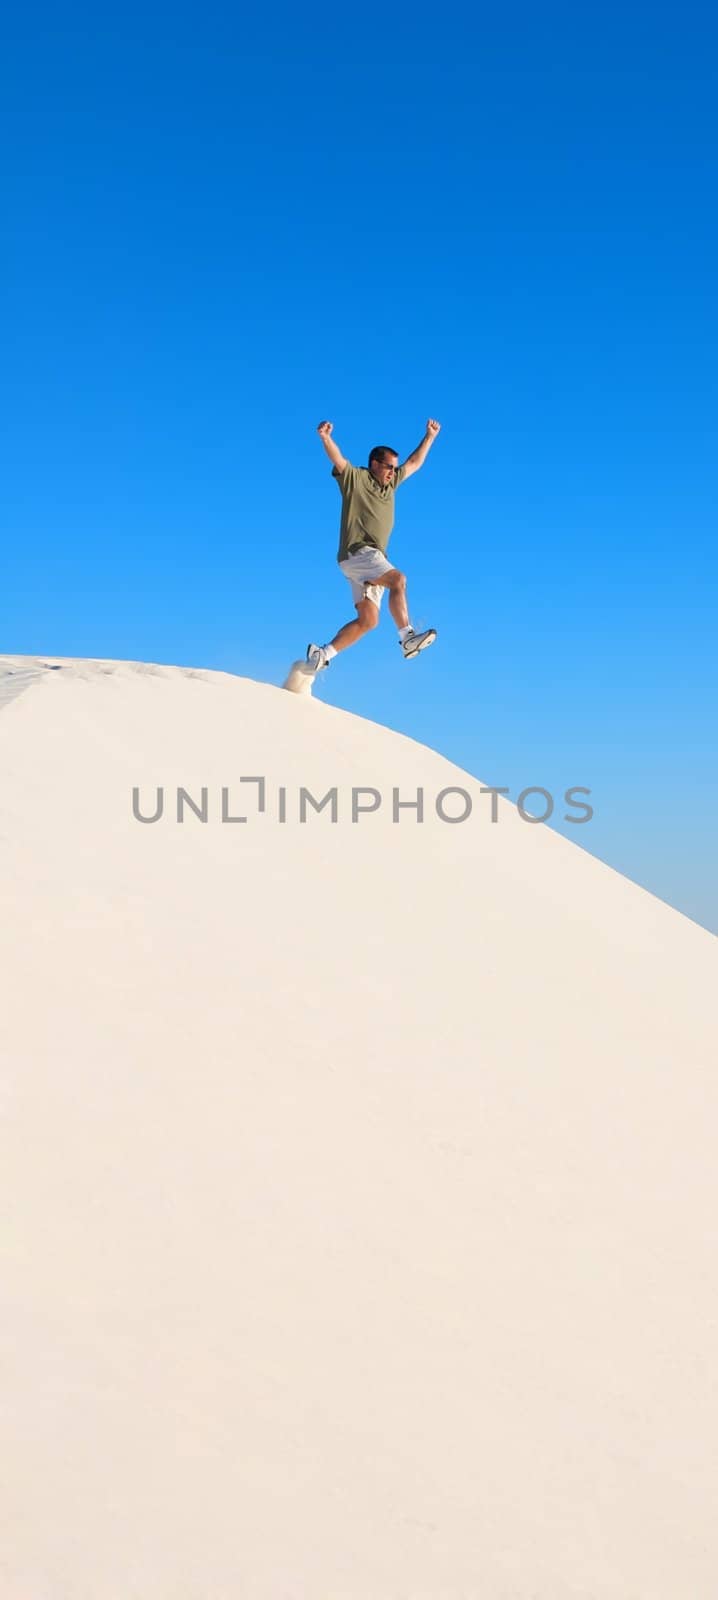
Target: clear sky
[[219, 230]]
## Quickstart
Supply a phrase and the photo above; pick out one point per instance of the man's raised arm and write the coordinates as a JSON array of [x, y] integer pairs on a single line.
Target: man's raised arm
[[334, 453], [419, 455]]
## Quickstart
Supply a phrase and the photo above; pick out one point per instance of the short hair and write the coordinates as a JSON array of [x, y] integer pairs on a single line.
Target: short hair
[[380, 453]]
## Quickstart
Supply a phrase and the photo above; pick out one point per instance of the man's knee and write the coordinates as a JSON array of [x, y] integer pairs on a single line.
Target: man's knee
[[368, 614], [396, 580]]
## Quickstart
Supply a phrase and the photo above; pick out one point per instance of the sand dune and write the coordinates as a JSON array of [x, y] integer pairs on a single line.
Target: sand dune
[[359, 1176]]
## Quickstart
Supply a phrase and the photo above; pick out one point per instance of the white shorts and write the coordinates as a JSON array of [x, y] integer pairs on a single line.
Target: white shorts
[[362, 570]]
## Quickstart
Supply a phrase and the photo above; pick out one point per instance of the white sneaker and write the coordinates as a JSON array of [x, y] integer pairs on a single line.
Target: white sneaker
[[316, 657], [414, 642]]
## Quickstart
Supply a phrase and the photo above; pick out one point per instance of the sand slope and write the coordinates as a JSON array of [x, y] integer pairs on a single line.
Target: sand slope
[[359, 1179]]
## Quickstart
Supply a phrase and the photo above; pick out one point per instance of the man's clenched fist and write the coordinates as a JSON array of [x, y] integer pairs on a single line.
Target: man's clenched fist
[[325, 429], [433, 427]]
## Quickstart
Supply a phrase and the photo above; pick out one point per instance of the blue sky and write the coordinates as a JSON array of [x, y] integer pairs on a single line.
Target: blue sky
[[221, 230]]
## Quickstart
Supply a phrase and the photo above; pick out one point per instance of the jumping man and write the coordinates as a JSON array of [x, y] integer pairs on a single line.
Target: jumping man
[[367, 520]]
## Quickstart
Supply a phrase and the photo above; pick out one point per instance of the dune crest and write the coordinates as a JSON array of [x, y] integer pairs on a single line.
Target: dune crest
[[360, 1172]]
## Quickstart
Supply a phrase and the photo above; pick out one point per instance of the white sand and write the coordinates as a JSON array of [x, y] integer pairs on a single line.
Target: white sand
[[359, 1181]]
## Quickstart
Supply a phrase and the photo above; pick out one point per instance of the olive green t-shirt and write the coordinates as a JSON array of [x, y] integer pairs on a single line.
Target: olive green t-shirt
[[367, 508]]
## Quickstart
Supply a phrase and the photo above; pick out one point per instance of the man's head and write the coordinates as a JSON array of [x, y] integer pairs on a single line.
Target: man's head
[[383, 463]]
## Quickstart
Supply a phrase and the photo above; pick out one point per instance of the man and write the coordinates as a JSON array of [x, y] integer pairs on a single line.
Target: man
[[367, 520]]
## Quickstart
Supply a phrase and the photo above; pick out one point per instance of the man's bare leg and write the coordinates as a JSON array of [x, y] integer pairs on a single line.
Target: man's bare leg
[[368, 613], [395, 582], [367, 618]]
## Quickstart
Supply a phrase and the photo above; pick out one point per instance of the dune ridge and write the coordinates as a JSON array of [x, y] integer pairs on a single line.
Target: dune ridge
[[360, 1176]]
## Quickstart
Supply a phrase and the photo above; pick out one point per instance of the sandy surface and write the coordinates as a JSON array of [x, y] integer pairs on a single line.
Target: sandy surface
[[359, 1178]]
